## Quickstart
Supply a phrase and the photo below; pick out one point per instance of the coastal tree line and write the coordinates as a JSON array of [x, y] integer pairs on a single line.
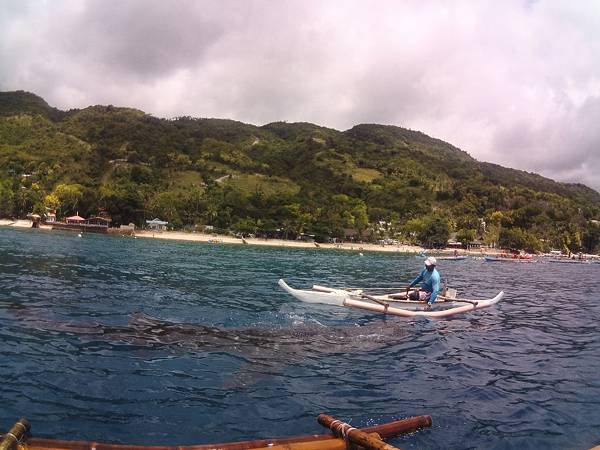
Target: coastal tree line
[[369, 183]]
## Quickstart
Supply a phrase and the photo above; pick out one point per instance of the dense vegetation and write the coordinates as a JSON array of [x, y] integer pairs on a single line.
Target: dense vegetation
[[371, 181]]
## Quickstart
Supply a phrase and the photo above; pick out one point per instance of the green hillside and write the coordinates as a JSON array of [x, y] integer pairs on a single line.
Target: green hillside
[[21, 102], [282, 179]]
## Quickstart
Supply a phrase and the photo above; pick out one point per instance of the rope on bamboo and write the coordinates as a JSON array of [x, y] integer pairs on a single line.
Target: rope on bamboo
[[341, 428], [15, 434], [354, 435]]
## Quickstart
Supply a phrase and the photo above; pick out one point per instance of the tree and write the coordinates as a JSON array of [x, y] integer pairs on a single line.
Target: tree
[[360, 217], [124, 201], [51, 201], [466, 236], [591, 237], [246, 226], [69, 197], [26, 200], [517, 239], [7, 205], [169, 206], [345, 212], [511, 238], [435, 232]]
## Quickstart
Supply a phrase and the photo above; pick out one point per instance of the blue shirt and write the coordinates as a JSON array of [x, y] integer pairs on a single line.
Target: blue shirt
[[430, 282]]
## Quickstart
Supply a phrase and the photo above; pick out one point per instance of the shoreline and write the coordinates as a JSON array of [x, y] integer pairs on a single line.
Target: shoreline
[[224, 239], [216, 239]]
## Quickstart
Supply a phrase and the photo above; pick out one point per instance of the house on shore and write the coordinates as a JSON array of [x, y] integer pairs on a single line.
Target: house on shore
[[75, 220], [50, 216], [83, 225], [157, 224], [99, 221]]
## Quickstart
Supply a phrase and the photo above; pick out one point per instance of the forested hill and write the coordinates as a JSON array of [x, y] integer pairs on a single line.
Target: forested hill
[[371, 181]]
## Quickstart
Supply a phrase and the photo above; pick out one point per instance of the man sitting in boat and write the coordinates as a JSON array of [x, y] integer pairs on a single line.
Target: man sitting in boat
[[430, 283]]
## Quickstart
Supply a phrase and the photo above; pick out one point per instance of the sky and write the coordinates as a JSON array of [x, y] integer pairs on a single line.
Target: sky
[[512, 82]]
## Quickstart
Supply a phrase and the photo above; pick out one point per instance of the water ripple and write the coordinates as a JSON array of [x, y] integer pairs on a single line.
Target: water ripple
[[150, 342]]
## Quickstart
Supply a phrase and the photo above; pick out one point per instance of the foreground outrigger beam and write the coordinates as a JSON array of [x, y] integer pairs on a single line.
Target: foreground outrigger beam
[[17, 439]]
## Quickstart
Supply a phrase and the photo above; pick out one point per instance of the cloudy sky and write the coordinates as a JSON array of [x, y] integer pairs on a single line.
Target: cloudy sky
[[513, 82]]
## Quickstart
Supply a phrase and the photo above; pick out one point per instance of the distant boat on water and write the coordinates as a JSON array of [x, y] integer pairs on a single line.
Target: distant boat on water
[[571, 261], [452, 258], [516, 258]]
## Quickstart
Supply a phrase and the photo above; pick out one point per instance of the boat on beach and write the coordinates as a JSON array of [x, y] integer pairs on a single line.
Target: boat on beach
[[444, 306], [342, 434]]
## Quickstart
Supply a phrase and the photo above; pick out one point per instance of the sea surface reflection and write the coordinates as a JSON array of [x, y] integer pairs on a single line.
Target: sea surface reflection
[[156, 342]]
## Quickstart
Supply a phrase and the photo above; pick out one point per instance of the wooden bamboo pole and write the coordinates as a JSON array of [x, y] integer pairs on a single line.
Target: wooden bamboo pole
[[354, 435], [386, 430], [326, 444], [15, 435]]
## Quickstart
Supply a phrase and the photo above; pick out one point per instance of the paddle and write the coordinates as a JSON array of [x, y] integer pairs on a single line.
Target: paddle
[[385, 305], [374, 299]]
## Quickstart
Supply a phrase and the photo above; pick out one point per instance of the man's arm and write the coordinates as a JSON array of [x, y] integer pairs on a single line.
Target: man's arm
[[416, 280]]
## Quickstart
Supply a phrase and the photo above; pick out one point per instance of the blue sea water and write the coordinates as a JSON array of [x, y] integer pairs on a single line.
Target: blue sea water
[[148, 341]]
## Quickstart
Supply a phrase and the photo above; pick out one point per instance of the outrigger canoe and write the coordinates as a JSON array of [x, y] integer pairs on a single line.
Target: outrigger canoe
[[568, 261], [509, 259], [341, 435], [444, 306]]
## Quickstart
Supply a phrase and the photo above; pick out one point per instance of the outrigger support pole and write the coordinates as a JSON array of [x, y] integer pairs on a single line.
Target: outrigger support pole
[[15, 435]]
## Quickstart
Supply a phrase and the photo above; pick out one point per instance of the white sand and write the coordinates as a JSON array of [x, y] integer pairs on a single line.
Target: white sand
[[222, 239]]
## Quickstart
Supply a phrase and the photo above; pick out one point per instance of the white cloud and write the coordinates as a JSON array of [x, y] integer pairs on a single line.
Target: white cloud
[[515, 82]]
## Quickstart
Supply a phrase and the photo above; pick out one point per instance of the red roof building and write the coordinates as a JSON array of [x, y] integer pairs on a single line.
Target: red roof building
[[75, 219]]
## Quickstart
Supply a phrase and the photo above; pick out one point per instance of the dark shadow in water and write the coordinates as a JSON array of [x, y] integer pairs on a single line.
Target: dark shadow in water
[[264, 351]]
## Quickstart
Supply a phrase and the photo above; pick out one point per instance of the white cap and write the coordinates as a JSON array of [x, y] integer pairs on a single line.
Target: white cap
[[430, 261]]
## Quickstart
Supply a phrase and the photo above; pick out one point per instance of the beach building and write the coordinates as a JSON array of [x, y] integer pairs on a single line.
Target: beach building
[[306, 237], [81, 224], [157, 224], [50, 216], [99, 221], [76, 220], [452, 243], [475, 244]]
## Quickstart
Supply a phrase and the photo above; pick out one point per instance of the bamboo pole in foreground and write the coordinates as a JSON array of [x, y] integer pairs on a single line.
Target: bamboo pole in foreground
[[15, 435], [342, 429], [321, 442]]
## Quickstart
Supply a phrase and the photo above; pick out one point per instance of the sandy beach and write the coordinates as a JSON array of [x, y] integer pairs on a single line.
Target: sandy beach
[[231, 240], [19, 223], [223, 239], [355, 247]]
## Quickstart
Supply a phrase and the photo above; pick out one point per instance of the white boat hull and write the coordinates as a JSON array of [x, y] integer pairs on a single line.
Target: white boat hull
[[404, 308], [510, 260], [330, 297], [568, 261]]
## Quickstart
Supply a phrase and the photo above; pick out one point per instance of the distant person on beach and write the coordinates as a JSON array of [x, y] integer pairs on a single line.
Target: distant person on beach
[[430, 283]]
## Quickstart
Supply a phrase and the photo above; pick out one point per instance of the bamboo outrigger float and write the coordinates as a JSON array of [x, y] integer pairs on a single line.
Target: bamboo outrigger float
[[343, 437]]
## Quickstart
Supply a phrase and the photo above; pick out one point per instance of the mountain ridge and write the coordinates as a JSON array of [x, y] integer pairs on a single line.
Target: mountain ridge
[[298, 177]]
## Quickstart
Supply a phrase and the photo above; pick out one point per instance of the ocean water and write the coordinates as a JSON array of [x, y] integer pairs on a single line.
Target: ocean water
[[154, 342]]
